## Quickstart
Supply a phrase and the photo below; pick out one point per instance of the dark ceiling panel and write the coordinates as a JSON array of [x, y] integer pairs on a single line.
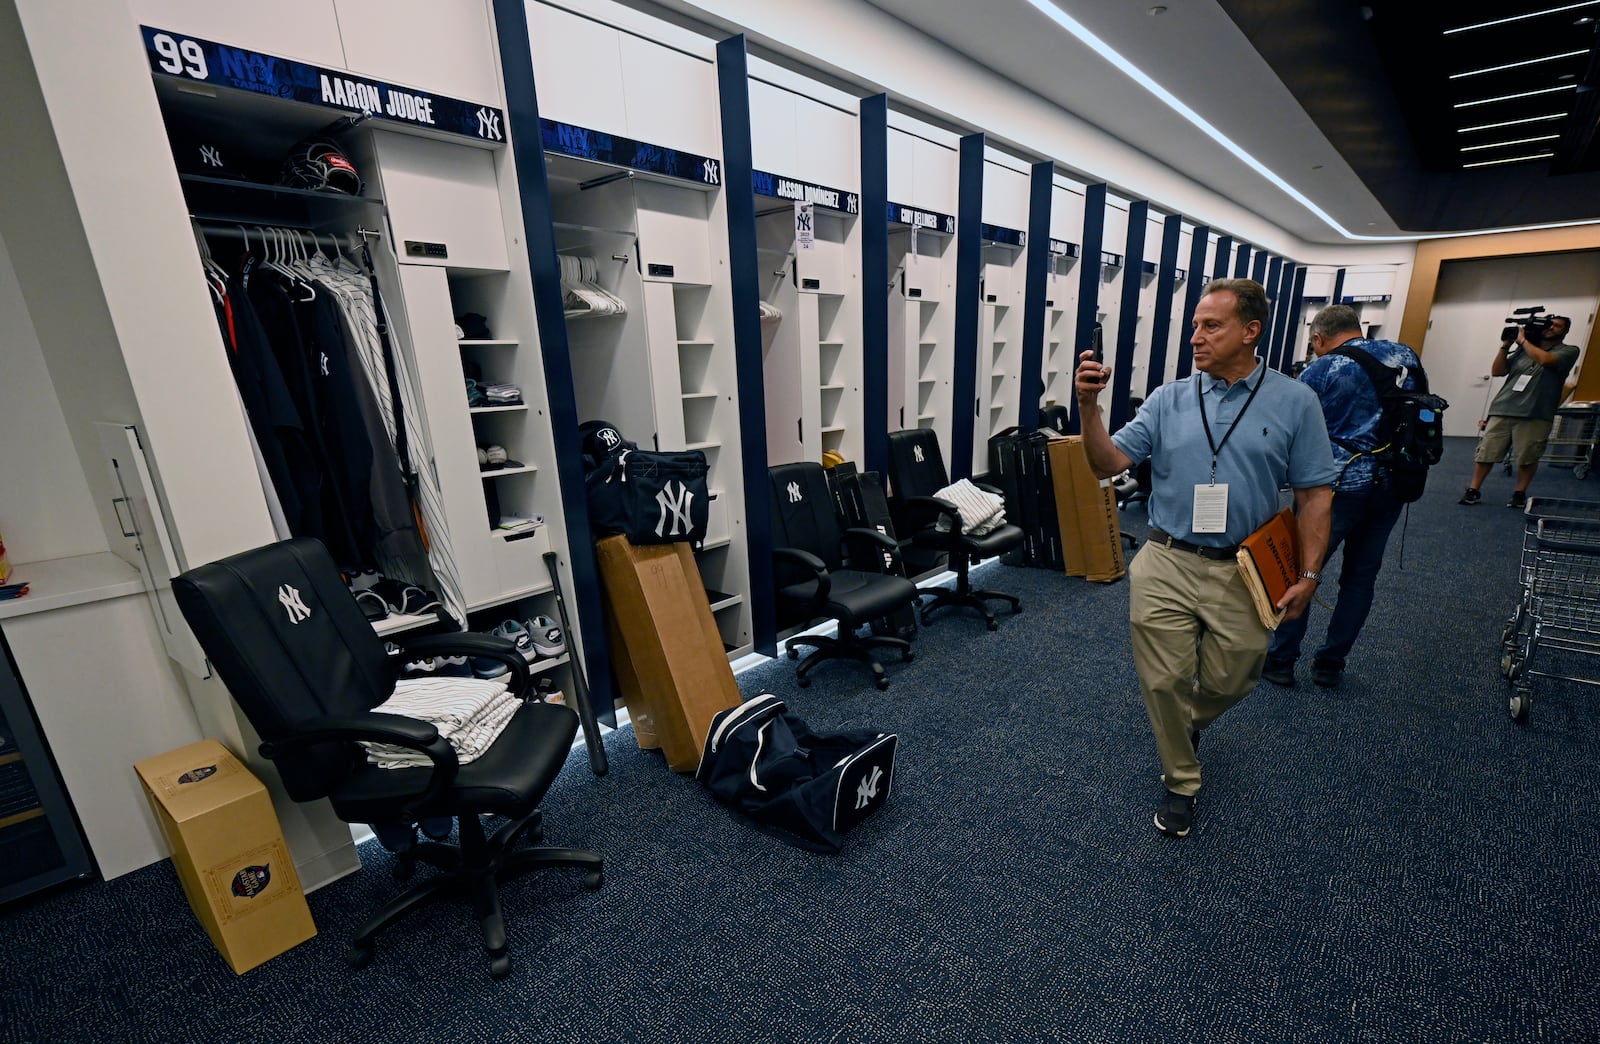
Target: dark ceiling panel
[[1408, 92]]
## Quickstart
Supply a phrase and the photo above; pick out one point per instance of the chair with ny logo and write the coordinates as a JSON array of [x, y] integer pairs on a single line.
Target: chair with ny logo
[[811, 578]]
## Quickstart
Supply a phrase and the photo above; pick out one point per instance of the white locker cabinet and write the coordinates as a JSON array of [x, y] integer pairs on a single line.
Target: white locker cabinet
[[922, 332], [577, 64], [304, 30], [1000, 318], [452, 44], [445, 193]]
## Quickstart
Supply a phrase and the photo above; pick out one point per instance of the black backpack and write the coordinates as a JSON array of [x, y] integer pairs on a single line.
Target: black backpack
[[1410, 429]]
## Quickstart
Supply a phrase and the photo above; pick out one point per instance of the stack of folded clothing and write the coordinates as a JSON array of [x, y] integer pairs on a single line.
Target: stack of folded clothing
[[980, 510], [497, 394], [468, 712]]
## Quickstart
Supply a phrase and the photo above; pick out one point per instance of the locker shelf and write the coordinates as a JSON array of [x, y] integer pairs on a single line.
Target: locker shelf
[[526, 469], [478, 342], [520, 407]]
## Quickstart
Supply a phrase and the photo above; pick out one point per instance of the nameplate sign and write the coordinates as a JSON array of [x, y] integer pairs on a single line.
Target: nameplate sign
[[567, 139], [780, 187], [1000, 234], [900, 214], [220, 65], [1064, 248]]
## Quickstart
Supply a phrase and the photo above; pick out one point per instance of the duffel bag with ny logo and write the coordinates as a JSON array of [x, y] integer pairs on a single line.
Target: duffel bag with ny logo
[[650, 497], [808, 789]]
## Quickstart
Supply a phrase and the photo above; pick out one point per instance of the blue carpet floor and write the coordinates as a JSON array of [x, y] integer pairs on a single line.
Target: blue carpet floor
[[1393, 861]]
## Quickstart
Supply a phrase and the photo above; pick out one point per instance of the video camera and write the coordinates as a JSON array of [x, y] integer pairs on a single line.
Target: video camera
[[1532, 321]]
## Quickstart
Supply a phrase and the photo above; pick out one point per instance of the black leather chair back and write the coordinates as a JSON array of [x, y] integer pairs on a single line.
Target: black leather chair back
[[804, 516], [916, 467], [289, 641]]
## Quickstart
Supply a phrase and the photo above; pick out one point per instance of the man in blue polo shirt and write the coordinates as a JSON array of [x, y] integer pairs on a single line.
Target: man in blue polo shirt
[[1221, 443]]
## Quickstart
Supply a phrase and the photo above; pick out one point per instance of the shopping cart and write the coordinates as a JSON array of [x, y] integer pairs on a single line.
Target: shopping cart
[[1536, 509], [1572, 438], [1558, 622]]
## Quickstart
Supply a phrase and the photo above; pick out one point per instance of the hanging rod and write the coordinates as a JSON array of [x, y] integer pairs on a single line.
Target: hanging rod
[[571, 226], [240, 230]]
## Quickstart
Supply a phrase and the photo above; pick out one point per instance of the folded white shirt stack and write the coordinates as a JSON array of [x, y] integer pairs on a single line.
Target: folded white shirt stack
[[980, 511], [468, 712]]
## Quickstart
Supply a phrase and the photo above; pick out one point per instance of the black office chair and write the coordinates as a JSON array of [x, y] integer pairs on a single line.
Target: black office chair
[[916, 473], [299, 657], [811, 578]]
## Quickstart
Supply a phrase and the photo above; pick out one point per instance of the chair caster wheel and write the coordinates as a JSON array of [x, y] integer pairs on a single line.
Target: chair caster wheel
[[358, 956], [908, 656], [994, 625], [794, 654], [1016, 609], [882, 683], [803, 682], [403, 868], [500, 966], [593, 880]]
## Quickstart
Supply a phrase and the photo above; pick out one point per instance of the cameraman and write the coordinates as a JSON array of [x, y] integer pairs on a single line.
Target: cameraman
[[1523, 411]]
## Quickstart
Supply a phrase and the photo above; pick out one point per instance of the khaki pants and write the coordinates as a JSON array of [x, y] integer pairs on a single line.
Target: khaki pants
[[1191, 619]]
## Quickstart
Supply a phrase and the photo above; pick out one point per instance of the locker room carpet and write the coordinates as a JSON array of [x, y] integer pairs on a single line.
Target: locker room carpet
[[1396, 861]]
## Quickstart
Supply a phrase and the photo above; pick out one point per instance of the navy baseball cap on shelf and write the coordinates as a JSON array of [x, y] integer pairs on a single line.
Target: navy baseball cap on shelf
[[206, 157]]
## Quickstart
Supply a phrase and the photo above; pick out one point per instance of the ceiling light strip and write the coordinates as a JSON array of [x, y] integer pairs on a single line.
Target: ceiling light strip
[[1513, 159], [1514, 141], [1512, 123], [1520, 17], [1518, 65], [1079, 32], [1514, 97]]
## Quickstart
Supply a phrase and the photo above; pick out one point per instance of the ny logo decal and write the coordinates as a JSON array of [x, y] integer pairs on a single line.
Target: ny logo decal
[[489, 125], [917, 454], [867, 789], [710, 174], [794, 493], [608, 436], [292, 604], [210, 156], [674, 520]]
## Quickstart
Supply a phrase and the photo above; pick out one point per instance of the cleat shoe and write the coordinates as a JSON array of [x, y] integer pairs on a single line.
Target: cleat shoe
[[488, 668], [1519, 499], [546, 636], [1175, 817], [1470, 497]]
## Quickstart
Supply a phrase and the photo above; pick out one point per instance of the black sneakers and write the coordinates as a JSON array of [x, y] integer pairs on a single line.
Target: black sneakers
[[1470, 497], [1175, 817], [1519, 499], [1326, 674], [1281, 674]]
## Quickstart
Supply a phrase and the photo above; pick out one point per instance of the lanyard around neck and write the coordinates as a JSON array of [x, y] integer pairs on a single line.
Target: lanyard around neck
[[1216, 447]]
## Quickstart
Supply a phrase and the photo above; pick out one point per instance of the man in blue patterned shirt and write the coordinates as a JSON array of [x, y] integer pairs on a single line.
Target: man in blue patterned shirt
[[1364, 512]]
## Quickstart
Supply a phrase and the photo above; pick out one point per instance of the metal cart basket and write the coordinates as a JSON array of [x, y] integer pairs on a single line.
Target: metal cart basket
[[1558, 622], [1573, 437]]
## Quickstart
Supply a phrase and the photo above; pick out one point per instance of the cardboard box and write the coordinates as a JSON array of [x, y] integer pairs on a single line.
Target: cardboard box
[[229, 852], [670, 663], [1086, 512]]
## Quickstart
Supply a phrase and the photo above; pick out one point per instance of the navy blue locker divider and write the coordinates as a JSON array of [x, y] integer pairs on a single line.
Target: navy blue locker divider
[[522, 118], [1219, 266], [1128, 314], [1258, 268], [733, 88], [1274, 331], [1338, 287], [1296, 306], [1040, 190], [1197, 263], [1166, 283], [874, 280], [969, 265], [1241, 262], [1089, 269]]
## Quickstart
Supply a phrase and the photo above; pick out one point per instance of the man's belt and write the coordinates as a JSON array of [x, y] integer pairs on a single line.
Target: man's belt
[[1218, 554]]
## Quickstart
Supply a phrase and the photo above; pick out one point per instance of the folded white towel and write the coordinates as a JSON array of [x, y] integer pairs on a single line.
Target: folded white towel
[[470, 713], [980, 510]]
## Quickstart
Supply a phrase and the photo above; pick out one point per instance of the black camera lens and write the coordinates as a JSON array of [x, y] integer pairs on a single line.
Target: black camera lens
[[1509, 333]]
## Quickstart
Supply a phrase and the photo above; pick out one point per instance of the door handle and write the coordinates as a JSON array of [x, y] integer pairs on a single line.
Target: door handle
[[116, 509]]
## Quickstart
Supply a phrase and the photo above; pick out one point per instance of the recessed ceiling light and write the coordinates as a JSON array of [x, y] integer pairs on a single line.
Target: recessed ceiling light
[[1513, 123], [1316, 166], [1157, 11], [1585, 20], [1518, 65], [1519, 17], [1513, 159], [1513, 141], [1512, 97]]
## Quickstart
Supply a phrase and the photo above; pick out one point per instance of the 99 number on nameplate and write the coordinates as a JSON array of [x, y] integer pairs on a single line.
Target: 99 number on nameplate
[[180, 57]]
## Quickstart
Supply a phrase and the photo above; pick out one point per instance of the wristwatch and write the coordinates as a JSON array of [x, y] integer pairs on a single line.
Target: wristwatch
[[1308, 575]]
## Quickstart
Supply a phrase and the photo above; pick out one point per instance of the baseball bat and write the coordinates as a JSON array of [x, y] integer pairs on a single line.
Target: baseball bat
[[580, 683]]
